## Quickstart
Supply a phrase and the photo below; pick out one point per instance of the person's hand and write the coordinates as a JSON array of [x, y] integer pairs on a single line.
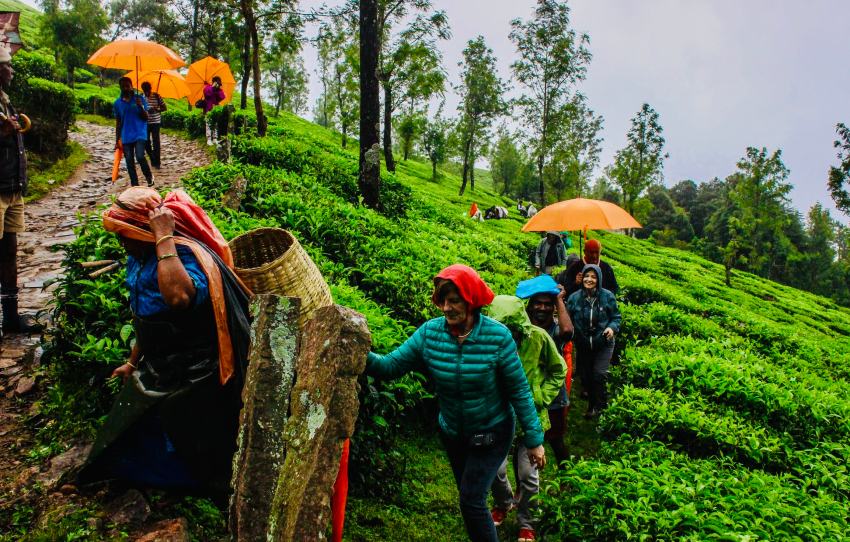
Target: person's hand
[[117, 145], [562, 293], [578, 278], [139, 100], [608, 333], [161, 221], [537, 456], [123, 372]]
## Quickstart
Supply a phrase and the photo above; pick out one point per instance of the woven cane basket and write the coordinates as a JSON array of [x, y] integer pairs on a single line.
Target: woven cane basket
[[272, 261]]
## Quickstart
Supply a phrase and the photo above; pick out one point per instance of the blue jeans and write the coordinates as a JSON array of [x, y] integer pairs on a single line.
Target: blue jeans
[[135, 152], [475, 469]]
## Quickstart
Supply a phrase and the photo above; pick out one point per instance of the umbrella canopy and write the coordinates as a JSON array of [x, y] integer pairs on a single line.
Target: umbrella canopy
[[138, 55], [166, 83], [580, 214], [201, 74]]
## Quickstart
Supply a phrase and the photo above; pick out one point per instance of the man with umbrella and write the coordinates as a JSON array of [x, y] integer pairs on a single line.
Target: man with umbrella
[[131, 130]]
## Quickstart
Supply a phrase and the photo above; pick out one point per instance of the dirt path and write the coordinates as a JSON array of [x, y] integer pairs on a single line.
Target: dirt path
[[50, 221]]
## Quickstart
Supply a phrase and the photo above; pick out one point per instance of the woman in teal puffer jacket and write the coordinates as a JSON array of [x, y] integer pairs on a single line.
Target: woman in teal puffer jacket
[[480, 383]]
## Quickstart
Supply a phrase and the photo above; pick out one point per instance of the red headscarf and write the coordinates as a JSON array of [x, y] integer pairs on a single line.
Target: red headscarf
[[469, 285], [132, 207]]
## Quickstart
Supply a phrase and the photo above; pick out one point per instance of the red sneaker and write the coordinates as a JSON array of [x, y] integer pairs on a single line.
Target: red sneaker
[[526, 535], [499, 515]]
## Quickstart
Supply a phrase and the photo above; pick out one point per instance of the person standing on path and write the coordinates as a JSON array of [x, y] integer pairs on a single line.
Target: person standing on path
[[131, 130], [13, 187], [550, 253], [156, 105], [213, 95]]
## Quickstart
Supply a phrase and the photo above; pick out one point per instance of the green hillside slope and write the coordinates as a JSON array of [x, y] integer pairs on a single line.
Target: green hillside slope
[[730, 418]]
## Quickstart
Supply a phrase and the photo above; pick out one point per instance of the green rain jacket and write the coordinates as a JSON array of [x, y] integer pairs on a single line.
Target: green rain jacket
[[544, 366], [478, 382]]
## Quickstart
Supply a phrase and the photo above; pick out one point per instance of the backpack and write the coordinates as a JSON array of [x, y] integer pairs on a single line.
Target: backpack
[[200, 103]]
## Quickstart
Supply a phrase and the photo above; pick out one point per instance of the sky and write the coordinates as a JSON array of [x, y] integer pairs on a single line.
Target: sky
[[722, 74]]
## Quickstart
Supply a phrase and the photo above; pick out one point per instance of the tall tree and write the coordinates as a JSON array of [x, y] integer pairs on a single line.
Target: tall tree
[[73, 29], [749, 227], [665, 222], [839, 177], [410, 126], [506, 163], [370, 107], [339, 66], [435, 141], [410, 64], [553, 59], [287, 81], [575, 153], [641, 162], [481, 103]]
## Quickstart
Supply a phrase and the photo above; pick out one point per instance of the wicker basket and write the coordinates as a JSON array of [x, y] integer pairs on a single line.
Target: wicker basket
[[272, 261]]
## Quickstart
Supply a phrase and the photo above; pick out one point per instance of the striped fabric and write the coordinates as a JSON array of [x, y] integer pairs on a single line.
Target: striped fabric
[[155, 104]]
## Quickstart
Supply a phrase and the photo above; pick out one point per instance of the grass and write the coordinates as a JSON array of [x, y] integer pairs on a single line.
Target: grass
[[44, 178]]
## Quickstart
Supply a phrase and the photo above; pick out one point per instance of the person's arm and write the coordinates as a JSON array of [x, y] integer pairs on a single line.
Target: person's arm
[[518, 392], [220, 96], [162, 106], [615, 318], [132, 364], [117, 126], [565, 323], [554, 371], [537, 256], [142, 107], [175, 284], [402, 360]]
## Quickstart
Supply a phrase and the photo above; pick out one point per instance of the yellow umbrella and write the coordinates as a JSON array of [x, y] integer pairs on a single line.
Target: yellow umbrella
[[166, 83], [581, 214], [138, 55], [201, 74]]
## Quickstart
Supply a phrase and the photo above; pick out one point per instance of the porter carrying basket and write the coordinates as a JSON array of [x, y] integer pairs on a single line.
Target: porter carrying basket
[[272, 261]]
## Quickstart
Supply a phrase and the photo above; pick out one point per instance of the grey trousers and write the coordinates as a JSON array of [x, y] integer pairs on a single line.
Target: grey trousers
[[529, 485]]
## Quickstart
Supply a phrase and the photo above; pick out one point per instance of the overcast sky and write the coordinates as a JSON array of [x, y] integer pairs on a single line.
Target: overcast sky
[[722, 74]]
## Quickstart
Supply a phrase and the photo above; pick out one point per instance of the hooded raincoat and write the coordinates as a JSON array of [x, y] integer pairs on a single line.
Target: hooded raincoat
[[591, 314], [544, 367]]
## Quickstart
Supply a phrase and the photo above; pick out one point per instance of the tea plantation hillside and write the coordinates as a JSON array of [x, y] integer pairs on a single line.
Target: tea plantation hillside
[[730, 418]]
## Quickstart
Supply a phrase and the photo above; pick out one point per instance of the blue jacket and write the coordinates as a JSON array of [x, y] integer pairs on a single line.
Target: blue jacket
[[592, 314], [479, 383]]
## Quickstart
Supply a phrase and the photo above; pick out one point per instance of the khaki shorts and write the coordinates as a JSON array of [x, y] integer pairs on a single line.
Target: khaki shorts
[[11, 213]]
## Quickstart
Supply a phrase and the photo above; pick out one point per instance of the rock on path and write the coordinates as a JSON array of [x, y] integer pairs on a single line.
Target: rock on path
[[50, 221]]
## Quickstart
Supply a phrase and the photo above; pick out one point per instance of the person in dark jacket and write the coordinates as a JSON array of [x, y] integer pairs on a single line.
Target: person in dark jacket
[[480, 384], [571, 278], [596, 320], [550, 253], [13, 188]]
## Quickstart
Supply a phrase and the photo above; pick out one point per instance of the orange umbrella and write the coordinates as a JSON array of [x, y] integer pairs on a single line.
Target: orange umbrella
[[166, 83], [201, 74], [139, 55], [581, 214]]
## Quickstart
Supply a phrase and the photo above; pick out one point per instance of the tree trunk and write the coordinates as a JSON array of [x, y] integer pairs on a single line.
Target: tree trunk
[[370, 106], [246, 71], [251, 25], [465, 173], [472, 174], [388, 127], [193, 32], [433, 170], [340, 104]]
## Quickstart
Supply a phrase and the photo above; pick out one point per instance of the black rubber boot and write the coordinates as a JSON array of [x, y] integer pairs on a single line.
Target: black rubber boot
[[12, 321]]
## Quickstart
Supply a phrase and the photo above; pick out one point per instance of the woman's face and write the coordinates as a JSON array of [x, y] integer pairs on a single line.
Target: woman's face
[[589, 280], [454, 308]]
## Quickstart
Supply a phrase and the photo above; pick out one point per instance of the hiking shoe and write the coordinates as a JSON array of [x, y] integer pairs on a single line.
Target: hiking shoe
[[526, 535], [499, 514], [151, 180]]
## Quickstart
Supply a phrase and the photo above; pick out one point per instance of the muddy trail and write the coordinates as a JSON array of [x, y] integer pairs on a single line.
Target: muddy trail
[[50, 222]]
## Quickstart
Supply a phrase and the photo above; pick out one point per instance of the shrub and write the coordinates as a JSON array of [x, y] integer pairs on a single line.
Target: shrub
[[51, 108]]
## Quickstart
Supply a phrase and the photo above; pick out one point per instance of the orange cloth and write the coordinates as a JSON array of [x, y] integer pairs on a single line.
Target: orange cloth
[[340, 496], [473, 209], [116, 163], [128, 217]]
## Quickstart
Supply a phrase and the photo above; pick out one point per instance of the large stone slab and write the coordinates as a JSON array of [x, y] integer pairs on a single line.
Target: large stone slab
[[265, 396], [324, 406]]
